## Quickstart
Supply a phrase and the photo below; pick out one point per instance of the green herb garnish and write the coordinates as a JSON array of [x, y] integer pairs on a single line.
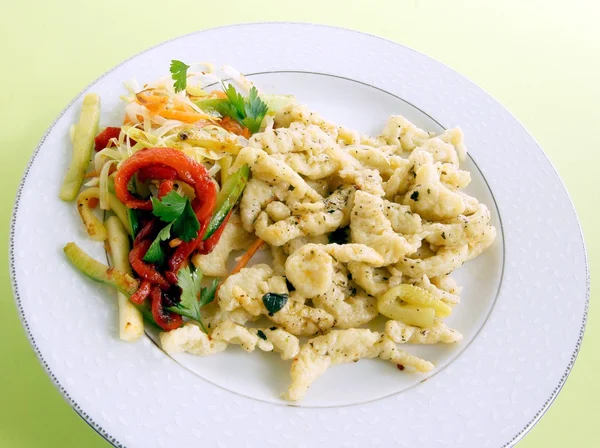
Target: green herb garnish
[[249, 112], [179, 74], [177, 211], [274, 302], [193, 295], [155, 253]]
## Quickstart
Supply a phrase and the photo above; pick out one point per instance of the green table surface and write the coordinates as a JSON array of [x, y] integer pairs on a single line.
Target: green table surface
[[540, 59]]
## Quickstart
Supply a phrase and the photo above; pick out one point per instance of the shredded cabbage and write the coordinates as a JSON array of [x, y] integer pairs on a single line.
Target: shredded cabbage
[[103, 196]]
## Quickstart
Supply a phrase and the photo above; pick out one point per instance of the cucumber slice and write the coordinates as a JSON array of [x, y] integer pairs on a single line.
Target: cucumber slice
[[227, 198], [100, 272], [212, 106], [83, 142]]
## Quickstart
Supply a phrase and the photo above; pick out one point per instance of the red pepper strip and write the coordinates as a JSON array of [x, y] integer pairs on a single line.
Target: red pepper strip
[[143, 269], [187, 169], [209, 244], [143, 291], [145, 232], [102, 140], [185, 249], [171, 277], [156, 172], [165, 319], [166, 186]]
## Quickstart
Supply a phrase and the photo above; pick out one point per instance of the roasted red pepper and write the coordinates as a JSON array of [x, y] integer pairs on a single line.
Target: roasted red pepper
[[102, 140], [188, 171], [166, 186], [208, 245], [156, 172], [143, 291], [144, 270], [165, 319], [147, 232], [185, 249]]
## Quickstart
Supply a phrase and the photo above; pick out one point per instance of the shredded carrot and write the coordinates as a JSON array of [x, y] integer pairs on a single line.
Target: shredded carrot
[[185, 107], [230, 125], [156, 108], [218, 94], [151, 98], [186, 117], [244, 259]]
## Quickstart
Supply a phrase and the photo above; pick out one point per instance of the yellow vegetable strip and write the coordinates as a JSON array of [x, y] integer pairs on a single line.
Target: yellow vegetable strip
[[131, 322], [93, 225]]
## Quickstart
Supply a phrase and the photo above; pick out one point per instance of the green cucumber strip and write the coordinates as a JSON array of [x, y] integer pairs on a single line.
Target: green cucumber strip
[[212, 106], [227, 198], [83, 142], [100, 272]]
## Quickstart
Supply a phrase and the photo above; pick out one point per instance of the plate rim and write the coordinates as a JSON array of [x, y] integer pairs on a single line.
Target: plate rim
[[12, 270]]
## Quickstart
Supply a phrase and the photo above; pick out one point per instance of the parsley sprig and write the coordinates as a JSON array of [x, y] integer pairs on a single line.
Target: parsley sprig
[[181, 220], [179, 74], [193, 295], [248, 111]]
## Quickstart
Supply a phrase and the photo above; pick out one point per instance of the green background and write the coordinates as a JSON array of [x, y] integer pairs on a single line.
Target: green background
[[540, 59]]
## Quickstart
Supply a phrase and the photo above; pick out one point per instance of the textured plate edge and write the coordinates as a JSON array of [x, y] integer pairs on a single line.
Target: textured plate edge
[[512, 442]]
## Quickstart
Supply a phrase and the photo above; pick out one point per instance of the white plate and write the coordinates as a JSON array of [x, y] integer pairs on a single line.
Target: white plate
[[522, 313]]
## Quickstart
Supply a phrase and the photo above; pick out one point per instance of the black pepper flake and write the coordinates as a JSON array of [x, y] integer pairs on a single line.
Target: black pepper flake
[[273, 328], [400, 366], [291, 188], [415, 196], [261, 335], [444, 235], [183, 136], [428, 191]]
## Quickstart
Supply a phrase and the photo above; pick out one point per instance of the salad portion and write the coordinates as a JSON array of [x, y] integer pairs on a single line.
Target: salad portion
[[357, 227], [163, 174]]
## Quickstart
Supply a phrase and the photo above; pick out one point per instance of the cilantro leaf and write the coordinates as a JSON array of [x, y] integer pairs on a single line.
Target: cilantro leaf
[[179, 74], [155, 253], [237, 101], [255, 110], [208, 294], [193, 296], [249, 112], [169, 207], [187, 225], [177, 210]]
